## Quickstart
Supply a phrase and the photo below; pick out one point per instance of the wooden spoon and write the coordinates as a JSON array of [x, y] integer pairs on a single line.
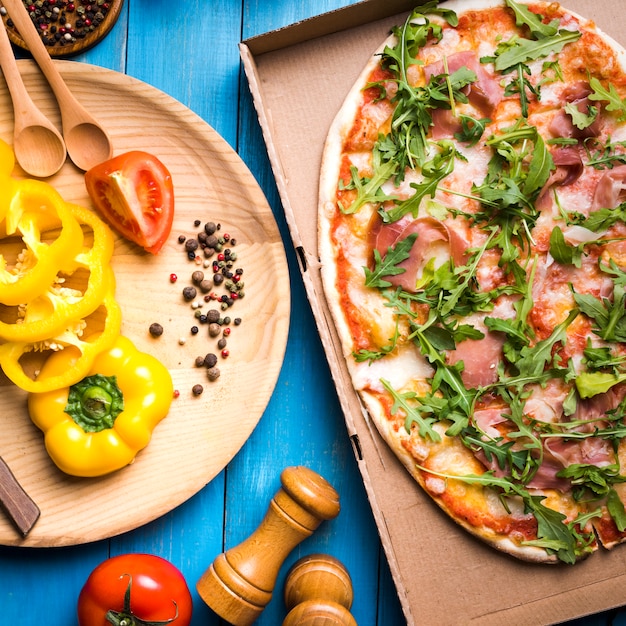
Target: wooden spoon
[[87, 142], [39, 147]]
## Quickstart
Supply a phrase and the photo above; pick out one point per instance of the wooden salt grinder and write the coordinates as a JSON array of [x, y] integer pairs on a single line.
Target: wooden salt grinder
[[318, 592], [239, 583]]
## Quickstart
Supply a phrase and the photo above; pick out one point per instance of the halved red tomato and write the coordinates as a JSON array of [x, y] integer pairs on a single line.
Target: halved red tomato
[[135, 195]]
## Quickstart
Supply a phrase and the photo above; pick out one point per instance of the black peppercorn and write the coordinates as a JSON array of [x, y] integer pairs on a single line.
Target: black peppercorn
[[156, 330], [210, 360], [189, 293]]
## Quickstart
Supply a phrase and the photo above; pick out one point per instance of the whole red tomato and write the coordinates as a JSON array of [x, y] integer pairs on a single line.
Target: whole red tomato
[[135, 590], [135, 194]]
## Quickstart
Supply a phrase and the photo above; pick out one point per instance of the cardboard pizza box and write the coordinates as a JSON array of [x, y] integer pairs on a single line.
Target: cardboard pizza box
[[299, 77]]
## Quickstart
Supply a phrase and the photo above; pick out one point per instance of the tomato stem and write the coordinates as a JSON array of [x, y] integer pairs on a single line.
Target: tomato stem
[[125, 617]]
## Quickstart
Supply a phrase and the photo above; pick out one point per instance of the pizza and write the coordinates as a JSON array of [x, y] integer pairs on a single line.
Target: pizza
[[472, 241]]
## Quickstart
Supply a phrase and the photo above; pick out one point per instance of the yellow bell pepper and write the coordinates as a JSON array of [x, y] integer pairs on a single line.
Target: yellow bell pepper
[[7, 163], [100, 424], [34, 208], [45, 316], [85, 350]]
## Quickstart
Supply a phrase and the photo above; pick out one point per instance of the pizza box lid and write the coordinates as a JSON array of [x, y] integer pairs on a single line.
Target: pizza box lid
[[298, 77]]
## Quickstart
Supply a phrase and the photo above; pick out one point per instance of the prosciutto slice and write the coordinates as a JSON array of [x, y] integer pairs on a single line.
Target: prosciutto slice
[[609, 188], [485, 93], [562, 124], [432, 235]]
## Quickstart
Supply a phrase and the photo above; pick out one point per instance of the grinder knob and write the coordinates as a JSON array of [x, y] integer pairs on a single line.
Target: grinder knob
[[239, 583], [318, 592]]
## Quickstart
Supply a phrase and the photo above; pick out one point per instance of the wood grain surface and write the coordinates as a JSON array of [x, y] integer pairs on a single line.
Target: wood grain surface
[[201, 433]]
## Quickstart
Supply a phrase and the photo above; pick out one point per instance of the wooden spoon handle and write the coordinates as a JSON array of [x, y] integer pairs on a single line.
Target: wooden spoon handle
[[16, 502], [71, 110]]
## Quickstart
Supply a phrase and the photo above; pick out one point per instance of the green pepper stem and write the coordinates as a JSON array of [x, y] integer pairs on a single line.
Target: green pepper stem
[[94, 403]]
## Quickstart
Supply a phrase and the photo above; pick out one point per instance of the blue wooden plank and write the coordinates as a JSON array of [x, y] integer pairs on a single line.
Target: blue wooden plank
[[189, 50]]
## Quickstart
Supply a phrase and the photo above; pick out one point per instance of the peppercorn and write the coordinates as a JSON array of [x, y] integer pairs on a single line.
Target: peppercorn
[[173, 278], [221, 344], [210, 360], [197, 390], [194, 330], [218, 279], [213, 315], [197, 223], [210, 228], [213, 373], [197, 277], [205, 286], [191, 245], [189, 293], [214, 329], [181, 238], [199, 361], [237, 321], [156, 330]]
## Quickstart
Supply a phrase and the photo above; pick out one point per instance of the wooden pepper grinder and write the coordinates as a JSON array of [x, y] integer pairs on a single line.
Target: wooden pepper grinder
[[318, 592], [239, 583]]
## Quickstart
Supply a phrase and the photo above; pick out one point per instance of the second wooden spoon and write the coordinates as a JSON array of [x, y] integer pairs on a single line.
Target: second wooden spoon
[[87, 142], [38, 145]]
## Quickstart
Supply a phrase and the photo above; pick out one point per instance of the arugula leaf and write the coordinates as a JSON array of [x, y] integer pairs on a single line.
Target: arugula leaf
[[590, 384], [387, 266], [370, 189], [598, 480], [615, 507], [609, 316], [607, 155], [525, 17], [433, 171], [610, 95], [534, 359], [413, 412], [580, 119], [564, 253], [602, 219], [472, 129], [526, 50]]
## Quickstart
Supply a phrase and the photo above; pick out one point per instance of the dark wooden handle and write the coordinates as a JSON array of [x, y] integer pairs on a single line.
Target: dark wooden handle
[[18, 505], [318, 592], [239, 583]]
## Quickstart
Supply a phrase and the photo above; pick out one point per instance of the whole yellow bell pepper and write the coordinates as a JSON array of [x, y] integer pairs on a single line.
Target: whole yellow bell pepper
[[100, 424]]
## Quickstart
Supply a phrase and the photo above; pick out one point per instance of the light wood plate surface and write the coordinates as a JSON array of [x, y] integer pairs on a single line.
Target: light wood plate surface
[[201, 434]]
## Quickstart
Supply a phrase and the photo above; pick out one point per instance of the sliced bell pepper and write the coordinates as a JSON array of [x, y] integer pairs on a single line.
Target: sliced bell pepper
[[7, 163], [98, 425], [85, 352], [34, 208], [51, 312]]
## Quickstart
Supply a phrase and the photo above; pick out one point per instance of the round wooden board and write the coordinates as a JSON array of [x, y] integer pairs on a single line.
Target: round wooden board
[[202, 433], [77, 43]]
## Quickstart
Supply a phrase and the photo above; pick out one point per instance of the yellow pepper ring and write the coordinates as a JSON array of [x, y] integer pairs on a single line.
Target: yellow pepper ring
[[110, 439], [48, 314], [12, 352], [35, 204]]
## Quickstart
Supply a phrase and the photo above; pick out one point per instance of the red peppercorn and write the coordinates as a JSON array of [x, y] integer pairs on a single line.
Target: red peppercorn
[[226, 332], [176, 393], [173, 278], [236, 278], [225, 354], [220, 256]]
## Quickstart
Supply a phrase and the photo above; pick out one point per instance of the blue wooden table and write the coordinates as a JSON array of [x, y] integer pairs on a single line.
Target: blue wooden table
[[189, 50]]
